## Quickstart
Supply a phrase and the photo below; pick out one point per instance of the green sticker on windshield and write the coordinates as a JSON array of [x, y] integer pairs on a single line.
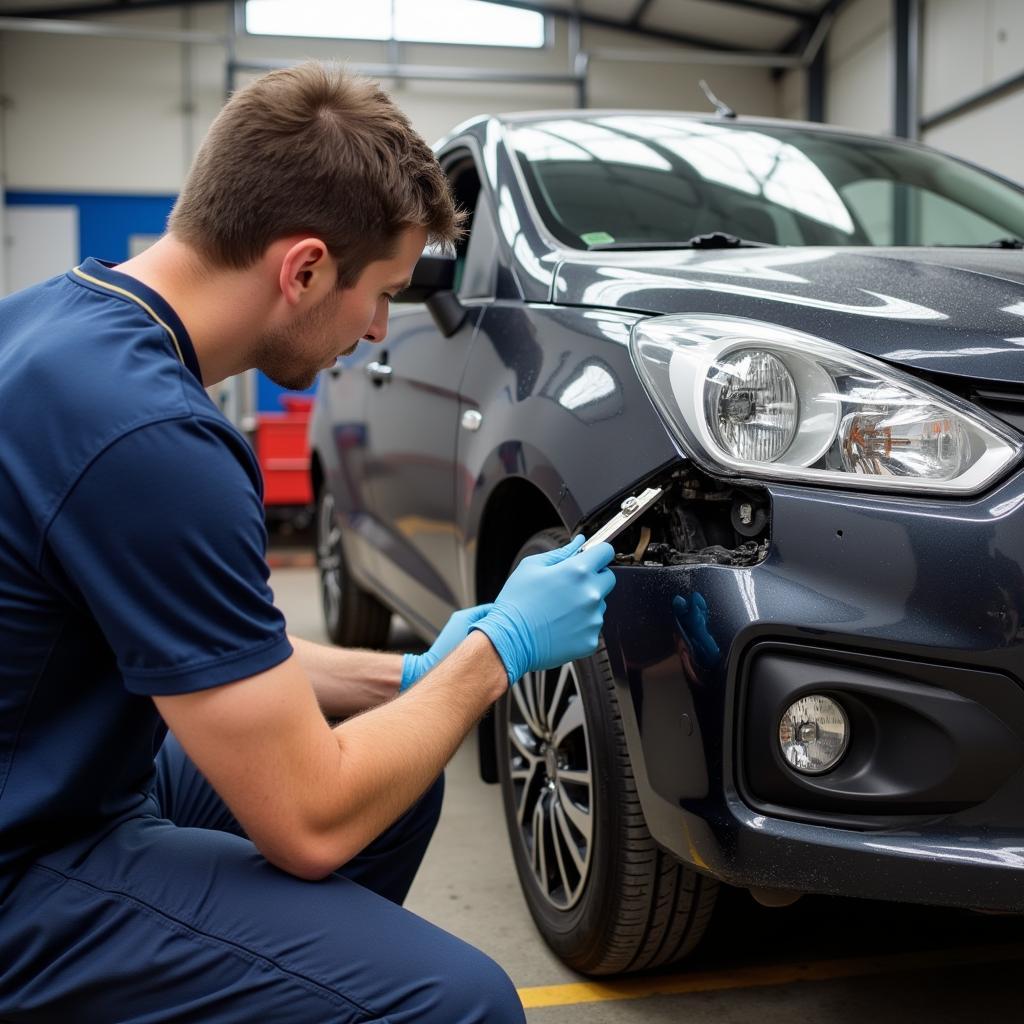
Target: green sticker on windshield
[[596, 238]]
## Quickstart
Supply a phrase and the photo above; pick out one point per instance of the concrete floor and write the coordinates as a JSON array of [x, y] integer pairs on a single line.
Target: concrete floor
[[820, 960]]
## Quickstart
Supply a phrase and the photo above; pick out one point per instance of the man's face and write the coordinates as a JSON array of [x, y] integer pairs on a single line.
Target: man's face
[[293, 356]]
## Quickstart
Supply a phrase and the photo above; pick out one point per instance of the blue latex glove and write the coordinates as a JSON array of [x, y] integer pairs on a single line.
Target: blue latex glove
[[551, 608], [416, 666]]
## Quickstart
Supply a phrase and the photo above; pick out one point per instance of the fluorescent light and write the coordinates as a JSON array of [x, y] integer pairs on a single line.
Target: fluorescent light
[[467, 21], [473, 22], [327, 19]]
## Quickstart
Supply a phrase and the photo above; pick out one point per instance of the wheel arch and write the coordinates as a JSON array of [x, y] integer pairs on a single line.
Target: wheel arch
[[515, 511]]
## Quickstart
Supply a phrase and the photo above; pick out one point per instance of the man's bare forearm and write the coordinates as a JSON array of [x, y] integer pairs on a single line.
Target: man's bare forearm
[[390, 755], [348, 680], [310, 797]]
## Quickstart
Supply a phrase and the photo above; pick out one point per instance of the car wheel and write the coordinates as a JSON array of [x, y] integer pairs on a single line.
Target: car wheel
[[352, 616], [606, 898]]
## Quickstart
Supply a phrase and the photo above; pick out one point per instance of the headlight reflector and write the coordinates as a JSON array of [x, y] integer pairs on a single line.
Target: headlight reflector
[[922, 440], [758, 400], [751, 405]]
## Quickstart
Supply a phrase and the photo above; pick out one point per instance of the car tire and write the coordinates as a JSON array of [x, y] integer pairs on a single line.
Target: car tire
[[621, 903], [352, 616]]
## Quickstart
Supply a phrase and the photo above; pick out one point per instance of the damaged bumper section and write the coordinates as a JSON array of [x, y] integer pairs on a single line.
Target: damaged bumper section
[[698, 521], [903, 616]]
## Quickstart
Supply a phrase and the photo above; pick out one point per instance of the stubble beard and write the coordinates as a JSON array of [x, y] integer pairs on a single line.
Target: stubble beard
[[281, 355]]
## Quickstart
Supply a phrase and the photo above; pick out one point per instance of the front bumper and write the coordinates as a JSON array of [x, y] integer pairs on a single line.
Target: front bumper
[[911, 609]]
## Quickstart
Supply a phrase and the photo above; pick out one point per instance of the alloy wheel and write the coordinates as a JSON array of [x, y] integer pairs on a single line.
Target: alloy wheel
[[552, 779]]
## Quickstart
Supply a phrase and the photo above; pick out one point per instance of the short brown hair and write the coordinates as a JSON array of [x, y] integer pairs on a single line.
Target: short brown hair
[[312, 150]]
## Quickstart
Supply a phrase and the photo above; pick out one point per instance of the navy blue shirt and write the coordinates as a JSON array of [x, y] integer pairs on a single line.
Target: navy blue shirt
[[132, 552]]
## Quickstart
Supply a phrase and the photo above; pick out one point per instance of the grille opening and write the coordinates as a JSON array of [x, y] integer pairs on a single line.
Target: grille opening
[[1006, 404]]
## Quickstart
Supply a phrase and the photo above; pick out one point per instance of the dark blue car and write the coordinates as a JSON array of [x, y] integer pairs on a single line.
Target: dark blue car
[[812, 670]]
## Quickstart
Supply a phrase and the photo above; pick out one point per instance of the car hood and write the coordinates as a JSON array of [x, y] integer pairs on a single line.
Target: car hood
[[950, 311]]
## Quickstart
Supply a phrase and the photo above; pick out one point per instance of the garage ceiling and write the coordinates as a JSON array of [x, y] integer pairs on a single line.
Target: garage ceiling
[[768, 25], [727, 24]]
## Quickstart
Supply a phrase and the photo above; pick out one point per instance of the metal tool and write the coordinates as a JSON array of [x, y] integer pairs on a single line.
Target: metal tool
[[631, 509]]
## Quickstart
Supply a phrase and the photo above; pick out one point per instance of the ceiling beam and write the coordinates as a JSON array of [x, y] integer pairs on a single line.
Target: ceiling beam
[[800, 38], [974, 101], [108, 30], [807, 17], [598, 21], [638, 13], [630, 26], [110, 7]]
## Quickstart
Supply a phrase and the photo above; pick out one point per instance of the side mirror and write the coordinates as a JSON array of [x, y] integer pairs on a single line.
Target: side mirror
[[435, 272], [433, 282]]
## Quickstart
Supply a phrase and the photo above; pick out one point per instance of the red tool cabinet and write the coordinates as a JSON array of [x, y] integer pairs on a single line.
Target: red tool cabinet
[[283, 452]]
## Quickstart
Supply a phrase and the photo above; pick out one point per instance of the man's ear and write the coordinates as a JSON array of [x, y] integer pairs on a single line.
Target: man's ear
[[307, 271]]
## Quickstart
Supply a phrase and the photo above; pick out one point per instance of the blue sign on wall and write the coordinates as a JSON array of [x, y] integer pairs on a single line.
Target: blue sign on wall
[[106, 224]]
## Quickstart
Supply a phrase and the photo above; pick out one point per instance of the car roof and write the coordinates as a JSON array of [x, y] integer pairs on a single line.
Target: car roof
[[518, 118]]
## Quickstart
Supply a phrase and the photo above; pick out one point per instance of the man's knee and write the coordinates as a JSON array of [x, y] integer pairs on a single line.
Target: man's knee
[[478, 991], [504, 1004]]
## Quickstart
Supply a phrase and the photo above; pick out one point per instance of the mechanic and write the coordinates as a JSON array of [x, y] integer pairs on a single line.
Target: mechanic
[[251, 864]]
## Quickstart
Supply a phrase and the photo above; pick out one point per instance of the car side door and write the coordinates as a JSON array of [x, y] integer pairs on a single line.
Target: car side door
[[413, 420]]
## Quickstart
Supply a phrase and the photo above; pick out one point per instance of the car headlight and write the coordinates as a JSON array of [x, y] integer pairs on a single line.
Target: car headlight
[[758, 400]]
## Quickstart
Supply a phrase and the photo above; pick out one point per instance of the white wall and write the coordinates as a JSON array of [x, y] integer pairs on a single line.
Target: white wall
[[990, 136], [659, 84], [107, 115], [41, 241], [968, 45], [792, 88], [859, 67], [965, 46], [91, 114]]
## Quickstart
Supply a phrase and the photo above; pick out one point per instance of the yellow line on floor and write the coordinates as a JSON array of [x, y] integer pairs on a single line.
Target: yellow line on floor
[[764, 975]]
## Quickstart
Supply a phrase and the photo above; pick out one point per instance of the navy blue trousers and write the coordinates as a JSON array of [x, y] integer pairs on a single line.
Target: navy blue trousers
[[173, 915]]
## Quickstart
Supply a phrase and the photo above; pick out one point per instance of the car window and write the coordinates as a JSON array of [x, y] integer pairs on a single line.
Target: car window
[[928, 218], [476, 253], [481, 254], [642, 178]]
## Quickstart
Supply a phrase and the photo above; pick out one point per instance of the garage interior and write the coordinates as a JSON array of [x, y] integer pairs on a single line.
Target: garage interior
[[102, 107]]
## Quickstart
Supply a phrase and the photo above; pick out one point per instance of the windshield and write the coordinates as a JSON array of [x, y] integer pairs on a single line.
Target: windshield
[[628, 179]]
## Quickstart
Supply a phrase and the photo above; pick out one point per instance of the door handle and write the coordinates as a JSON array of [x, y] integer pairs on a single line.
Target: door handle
[[379, 373], [472, 419]]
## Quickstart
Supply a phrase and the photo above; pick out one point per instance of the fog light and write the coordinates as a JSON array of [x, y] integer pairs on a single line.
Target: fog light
[[813, 734]]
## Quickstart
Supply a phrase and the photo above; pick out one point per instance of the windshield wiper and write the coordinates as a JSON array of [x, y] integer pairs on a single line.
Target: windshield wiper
[[712, 240], [999, 243]]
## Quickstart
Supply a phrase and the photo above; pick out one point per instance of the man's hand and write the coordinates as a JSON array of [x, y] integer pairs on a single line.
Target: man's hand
[[551, 608], [416, 666]]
